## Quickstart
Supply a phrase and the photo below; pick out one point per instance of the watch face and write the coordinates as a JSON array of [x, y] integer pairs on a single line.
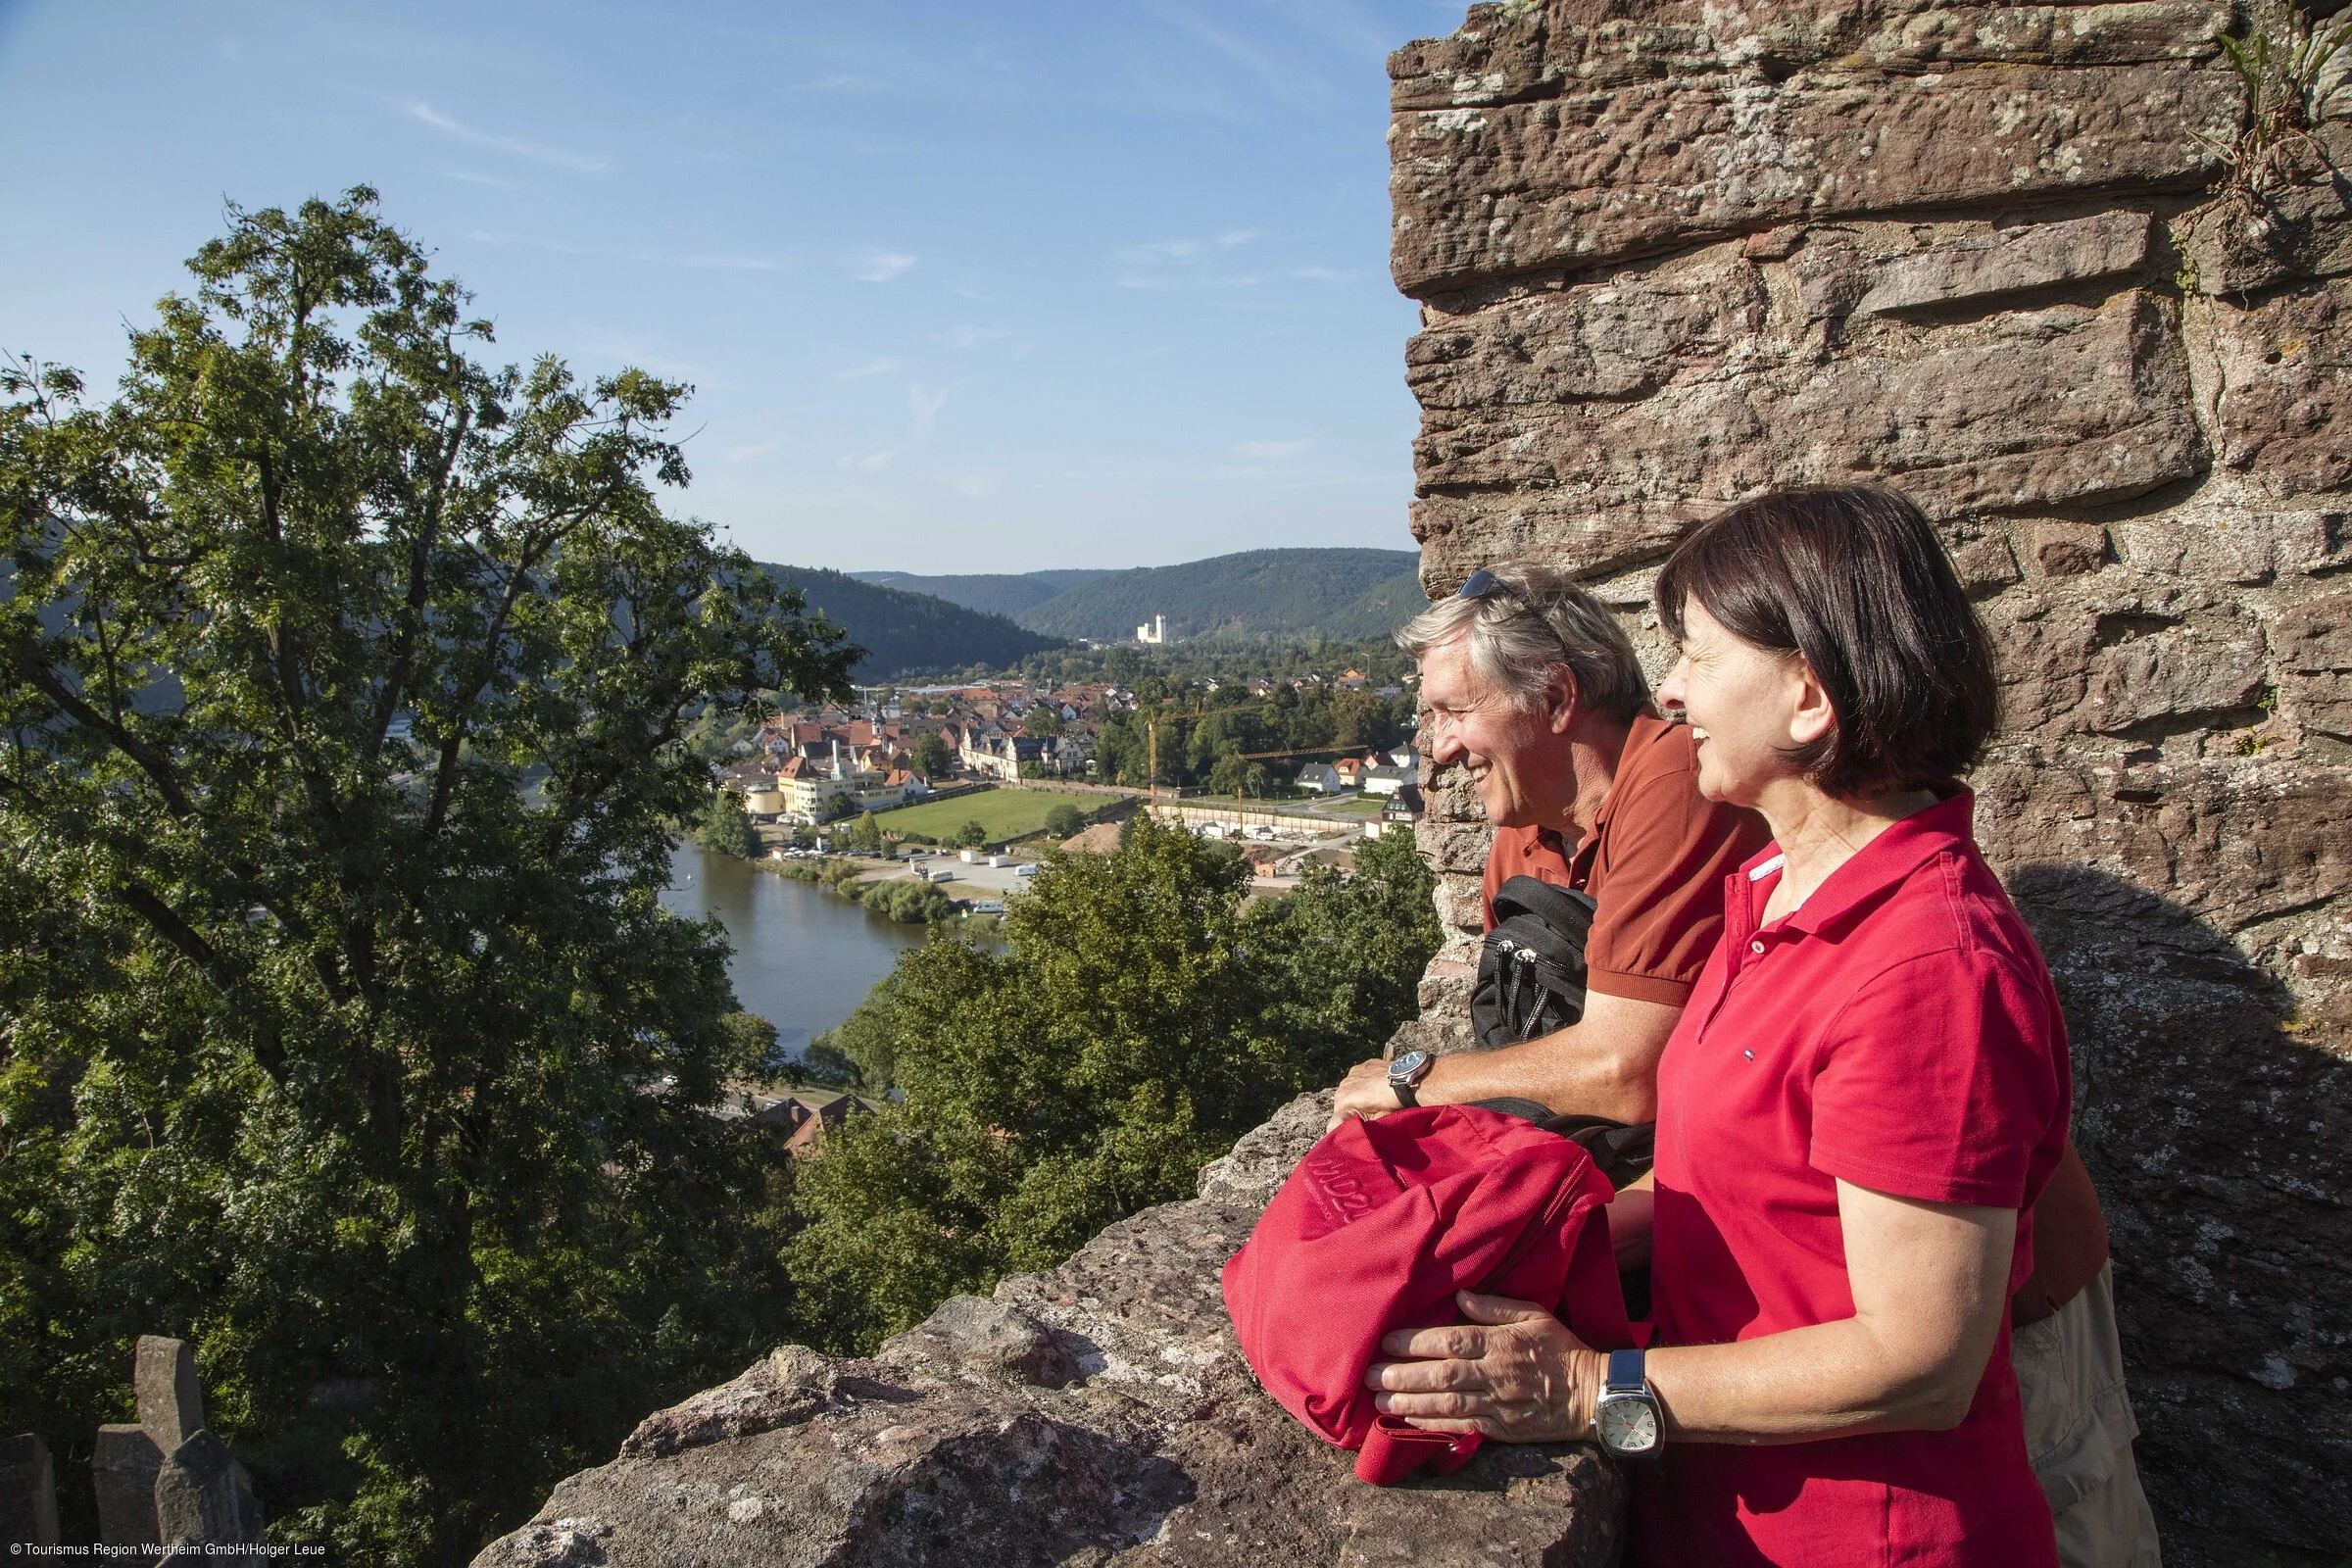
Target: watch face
[[1404, 1067], [1628, 1426]]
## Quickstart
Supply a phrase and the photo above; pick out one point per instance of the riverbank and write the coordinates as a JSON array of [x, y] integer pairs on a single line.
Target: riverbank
[[804, 957]]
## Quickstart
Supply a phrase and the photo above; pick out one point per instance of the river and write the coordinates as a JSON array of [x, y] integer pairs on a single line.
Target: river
[[804, 957]]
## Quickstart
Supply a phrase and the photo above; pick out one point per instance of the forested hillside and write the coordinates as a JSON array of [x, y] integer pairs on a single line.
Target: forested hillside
[[1379, 610], [991, 593], [907, 633], [1256, 593]]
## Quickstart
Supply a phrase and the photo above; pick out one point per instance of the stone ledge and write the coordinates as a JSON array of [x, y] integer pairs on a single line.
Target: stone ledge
[[1097, 1414]]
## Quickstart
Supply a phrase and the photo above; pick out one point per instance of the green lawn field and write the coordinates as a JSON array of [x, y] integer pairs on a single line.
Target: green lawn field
[[1006, 813]]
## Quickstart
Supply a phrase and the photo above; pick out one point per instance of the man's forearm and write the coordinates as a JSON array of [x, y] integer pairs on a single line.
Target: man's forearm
[[1606, 1064]]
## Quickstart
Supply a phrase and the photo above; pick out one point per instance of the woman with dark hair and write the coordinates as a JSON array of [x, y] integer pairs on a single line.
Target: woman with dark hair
[[1868, 1090]]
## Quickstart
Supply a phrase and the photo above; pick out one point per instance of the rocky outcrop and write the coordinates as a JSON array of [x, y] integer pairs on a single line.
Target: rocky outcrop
[[1671, 254], [1097, 1414]]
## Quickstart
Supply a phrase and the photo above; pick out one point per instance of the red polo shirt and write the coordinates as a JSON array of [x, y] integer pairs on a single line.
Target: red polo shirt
[[1900, 1031]]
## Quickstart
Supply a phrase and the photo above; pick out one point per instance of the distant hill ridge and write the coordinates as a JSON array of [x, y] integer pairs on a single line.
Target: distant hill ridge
[[908, 633], [1338, 593], [990, 593]]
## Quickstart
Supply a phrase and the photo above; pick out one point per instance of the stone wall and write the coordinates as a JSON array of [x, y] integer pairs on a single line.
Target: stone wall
[[1671, 254]]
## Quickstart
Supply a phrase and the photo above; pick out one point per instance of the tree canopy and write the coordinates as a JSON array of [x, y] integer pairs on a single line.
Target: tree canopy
[[1137, 1020], [342, 680]]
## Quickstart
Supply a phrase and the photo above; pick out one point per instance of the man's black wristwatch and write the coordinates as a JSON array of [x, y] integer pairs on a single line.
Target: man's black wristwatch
[[1407, 1071], [1627, 1420]]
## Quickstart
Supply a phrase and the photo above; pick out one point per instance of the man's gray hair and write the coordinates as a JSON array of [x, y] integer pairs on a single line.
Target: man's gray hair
[[1534, 619]]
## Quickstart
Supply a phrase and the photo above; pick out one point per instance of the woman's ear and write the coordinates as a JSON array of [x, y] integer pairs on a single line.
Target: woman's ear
[[1811, 717]]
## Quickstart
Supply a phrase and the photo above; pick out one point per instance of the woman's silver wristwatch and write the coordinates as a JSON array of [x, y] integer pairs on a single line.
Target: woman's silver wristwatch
[[1627, 1419]]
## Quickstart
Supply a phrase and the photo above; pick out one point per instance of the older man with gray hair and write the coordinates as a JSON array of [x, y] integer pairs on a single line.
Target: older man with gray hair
[[1530, 683]]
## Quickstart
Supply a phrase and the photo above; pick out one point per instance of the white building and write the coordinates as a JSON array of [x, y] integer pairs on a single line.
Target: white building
[[1154, 632]]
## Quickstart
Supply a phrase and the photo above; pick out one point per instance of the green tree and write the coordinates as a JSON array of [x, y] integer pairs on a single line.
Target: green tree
[[1064, 821], [329, 1044], [1136, 1023], [972, 834], [932, 759], [1225, 778], [725, 827]]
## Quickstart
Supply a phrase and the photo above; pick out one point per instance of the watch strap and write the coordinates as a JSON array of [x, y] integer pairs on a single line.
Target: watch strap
[[1624, 1374]]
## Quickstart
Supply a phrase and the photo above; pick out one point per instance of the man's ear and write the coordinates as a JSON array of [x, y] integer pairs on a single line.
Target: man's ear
[[1813, 715], [1559, 699]]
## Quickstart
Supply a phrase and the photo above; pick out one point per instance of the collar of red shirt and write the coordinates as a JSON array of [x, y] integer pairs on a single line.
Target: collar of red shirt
[[1902, 848]]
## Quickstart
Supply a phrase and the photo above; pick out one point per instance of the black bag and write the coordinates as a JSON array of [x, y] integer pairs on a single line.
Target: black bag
[[1531, 971], [1531, 981]]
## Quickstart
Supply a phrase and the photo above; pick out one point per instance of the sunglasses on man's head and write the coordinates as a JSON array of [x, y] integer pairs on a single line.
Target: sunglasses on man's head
[[1481, 583]]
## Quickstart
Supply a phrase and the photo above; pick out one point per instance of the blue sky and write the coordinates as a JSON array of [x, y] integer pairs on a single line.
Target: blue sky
[[961, 287]]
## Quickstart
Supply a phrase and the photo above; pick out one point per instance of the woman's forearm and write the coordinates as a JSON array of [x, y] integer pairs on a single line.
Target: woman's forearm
[[1928, 1283], [1826, 1381]]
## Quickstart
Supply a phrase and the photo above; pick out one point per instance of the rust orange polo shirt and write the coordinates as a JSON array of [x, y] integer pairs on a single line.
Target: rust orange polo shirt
[[1654, 863]]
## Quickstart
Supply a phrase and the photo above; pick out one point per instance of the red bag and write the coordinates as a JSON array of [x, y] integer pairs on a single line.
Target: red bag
[[1378, 1228]]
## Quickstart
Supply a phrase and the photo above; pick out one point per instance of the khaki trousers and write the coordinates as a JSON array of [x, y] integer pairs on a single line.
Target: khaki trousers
[[2079, 1432]]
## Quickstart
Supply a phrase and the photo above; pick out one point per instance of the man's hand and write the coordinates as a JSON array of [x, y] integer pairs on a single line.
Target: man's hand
[[1364, 1092], [1513, 1372]]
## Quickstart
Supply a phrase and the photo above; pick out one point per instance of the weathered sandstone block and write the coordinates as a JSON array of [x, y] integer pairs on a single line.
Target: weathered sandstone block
[[1587, 179], [2011, 261], [170, 1401], [2314, 653], [2064, 405], [28, 1492], [2286, 405], [1514, 54], [124, 1466], [204, 1498]]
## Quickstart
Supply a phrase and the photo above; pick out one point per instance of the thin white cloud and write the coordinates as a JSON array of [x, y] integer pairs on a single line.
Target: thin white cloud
[[1272, 449], [1146, 281], [1182, 249], [1166, 250], [881, 267], [713, 262], [922, 410], [1280, 78], [874, 366], [539, 152], [866, 459], [969, 336], [492, 181], [1350, 479], [695, 260], [758, 448]]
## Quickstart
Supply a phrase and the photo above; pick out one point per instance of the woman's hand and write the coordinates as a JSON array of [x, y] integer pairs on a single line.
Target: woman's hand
[[1513, 1372]]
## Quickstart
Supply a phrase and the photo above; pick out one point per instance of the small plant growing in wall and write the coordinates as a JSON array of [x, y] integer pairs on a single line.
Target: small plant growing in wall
[[2285, 68]]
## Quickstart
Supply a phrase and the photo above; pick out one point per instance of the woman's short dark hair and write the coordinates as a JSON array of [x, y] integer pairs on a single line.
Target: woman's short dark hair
[[1856, 581]]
